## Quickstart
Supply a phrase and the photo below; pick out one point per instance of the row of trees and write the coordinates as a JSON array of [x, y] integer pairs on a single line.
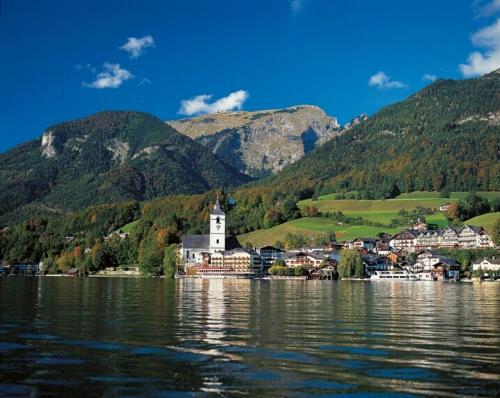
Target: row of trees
[[350, 266], [473, 205]]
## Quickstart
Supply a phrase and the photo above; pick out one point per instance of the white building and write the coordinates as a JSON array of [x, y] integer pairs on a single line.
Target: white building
[[218, 255], [196, 247], [487, 264]]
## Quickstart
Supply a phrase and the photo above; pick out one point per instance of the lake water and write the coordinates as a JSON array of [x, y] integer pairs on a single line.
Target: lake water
[[188, 338]]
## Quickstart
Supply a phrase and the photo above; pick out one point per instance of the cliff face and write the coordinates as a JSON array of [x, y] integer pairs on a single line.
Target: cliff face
[[261, 143]]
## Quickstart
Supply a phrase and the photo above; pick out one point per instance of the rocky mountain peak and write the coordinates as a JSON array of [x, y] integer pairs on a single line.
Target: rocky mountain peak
[[262, 142]]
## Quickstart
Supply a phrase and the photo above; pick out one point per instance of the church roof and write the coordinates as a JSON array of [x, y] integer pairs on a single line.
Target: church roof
[[203, 242], [196, 242], [217, 209]]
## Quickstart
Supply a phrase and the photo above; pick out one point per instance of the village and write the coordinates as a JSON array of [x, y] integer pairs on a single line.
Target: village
[[413, 251], [412, 254]]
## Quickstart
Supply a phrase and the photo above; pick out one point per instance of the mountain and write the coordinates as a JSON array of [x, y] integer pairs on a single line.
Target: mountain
[[107, 157], [264, 142], [444, 137]]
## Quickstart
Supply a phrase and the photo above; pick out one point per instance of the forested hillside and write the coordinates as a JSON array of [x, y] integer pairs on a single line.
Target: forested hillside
[[108, 157], [445, 137]]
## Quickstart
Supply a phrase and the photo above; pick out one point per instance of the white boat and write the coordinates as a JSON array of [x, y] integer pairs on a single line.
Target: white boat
[[224, 273], [393, 275]]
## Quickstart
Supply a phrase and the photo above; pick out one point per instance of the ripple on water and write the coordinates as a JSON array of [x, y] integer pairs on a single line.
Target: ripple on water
[[356, 350], [6, 347], [126, 379], [58, 361], [410, 374], [38, 336], [15, 390]]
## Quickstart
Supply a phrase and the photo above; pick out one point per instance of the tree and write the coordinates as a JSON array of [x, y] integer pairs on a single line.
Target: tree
[[170, 261], [272, 217], [350, 264], [289, 209], [452, 212], [278, 270], [495, 236], [301, 271], [97, 256], [280, 262]]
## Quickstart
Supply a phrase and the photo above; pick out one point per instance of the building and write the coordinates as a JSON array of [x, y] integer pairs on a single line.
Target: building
[[268, 255], [444, 207], [364, 243], [383, 249], [373, 262], [218, 255], [237, 260], [487, 264], [466, 237], [297, 259], [432, 266], [405, 239], [196, 247]]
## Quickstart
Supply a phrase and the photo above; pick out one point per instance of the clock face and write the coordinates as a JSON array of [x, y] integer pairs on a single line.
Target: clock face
[[218, 226]]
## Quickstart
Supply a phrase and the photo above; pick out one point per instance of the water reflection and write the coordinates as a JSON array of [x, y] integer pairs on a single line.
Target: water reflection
[[123, 337]]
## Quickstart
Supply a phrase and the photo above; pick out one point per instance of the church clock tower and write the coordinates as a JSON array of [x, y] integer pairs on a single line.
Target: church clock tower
[[217, 229]]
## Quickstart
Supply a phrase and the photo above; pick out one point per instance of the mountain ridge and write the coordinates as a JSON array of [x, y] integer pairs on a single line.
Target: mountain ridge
[[260, 143], [106, 157], [444, 137]]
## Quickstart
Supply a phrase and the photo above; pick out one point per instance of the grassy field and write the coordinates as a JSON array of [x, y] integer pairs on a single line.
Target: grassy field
[[406, 201], [382, 211], [454, 196], [485, 220], [128, 227], [309, 226]]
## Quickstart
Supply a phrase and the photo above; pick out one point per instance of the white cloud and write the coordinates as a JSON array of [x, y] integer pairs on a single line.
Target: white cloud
[[144, 81], [296, 6], [201, 103], [112, 76], [136, 47], [488, 9], [381, 80], [479, 63], [429, 78]]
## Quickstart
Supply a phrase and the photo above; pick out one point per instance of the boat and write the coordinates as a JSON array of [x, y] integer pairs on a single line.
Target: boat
[[224, 273], [393, 275]]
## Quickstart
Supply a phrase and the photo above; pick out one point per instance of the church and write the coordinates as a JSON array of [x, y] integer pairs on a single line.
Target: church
[[196, 247], [217, 251]]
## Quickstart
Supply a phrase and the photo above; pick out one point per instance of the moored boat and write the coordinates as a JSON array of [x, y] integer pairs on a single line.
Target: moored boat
[[399, 275]]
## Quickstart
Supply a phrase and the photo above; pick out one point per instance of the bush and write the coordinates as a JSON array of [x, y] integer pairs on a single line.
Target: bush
[[301, 271]]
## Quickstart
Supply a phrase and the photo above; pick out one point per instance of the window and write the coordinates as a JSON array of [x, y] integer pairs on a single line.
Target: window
[[193, 255], [217, 220], [217, 241]]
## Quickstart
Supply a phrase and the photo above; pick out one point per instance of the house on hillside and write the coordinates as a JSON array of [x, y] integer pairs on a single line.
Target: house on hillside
[[364, 243], [449, 237], [405, 239], [383, 249], [444, 207]]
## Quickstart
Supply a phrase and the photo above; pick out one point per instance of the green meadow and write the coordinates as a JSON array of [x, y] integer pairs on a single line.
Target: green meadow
[[381, 211], [309, 226], [485, 220]]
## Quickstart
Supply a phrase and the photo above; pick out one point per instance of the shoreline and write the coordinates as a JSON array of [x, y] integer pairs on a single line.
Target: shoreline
[[265, 278]]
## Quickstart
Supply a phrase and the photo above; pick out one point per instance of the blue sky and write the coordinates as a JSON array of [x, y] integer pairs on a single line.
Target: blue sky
[[61, 60]]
